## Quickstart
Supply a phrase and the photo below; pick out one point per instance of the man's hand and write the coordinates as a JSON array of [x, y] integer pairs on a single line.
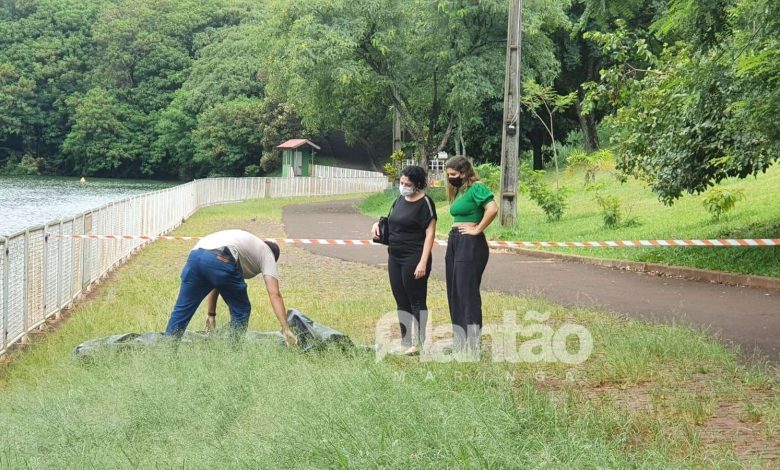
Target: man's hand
[[211, 323], [290, 339]]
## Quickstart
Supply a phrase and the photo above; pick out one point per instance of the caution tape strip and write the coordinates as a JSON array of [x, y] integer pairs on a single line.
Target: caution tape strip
[[724, 242]]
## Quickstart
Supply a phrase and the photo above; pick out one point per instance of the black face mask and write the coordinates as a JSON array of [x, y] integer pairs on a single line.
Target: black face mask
[[456, 182]]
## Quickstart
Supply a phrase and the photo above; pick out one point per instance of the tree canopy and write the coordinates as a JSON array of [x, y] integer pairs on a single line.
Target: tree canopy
[[186, 88]]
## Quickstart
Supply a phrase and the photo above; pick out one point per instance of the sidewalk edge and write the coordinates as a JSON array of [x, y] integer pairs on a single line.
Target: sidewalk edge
[[695, 274]]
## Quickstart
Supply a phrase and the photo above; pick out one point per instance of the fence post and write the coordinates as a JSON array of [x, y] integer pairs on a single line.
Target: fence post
[[25, 297], [85, 229], [4, 339], [60, 241], [44, 270]]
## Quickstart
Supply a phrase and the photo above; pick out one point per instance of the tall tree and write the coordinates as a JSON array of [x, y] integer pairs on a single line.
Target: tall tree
[[47, 45], [347, 62], [699, 110]]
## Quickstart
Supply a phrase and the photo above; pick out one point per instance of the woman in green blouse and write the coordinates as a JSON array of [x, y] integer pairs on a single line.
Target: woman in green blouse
[[473, 209]]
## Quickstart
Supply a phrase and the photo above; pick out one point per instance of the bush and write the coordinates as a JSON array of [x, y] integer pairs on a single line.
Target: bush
[[252, 170], [393, 167], [718, 201], [610, 210], [592, 163], [27, 165], [270, 162], [490, 175], [552, 202]]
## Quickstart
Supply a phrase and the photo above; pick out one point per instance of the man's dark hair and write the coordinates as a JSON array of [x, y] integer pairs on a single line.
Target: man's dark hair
[[416, 175], [274, 248]]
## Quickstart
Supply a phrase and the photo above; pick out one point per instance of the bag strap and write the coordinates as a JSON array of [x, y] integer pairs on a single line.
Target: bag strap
[[430, 208], [392, 206]]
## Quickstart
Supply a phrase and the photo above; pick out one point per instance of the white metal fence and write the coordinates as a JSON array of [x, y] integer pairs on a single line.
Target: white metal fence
[[43, 269], [321, 171]]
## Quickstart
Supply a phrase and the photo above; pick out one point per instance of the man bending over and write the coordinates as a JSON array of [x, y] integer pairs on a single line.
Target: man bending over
[[222, 261]]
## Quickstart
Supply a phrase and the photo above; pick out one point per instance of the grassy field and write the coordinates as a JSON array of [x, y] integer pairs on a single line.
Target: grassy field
[[649, 396], [757, 216]]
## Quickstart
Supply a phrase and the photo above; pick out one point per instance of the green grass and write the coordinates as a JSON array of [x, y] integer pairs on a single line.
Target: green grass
[[757, 216], [214, 405]]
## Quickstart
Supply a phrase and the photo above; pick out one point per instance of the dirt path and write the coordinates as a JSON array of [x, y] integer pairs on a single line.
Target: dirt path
[[748, 317]]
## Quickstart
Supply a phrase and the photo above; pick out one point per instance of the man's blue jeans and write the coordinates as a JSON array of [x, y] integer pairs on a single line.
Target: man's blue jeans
[[206, 270]]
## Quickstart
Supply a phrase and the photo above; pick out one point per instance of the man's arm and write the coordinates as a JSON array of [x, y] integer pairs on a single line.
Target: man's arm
[[211, 308], [277, 304]]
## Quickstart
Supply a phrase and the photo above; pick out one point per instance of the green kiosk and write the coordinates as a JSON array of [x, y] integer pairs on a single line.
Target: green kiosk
[[297, 157]]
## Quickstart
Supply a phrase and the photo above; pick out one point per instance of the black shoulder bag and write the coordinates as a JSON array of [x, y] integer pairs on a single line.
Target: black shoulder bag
[[384, 227]]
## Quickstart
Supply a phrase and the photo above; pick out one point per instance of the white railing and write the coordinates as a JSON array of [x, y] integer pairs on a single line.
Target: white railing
[[321, 171], [43, 268]]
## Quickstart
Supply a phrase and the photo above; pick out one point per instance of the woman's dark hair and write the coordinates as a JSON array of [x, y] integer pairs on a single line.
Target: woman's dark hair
[[274, 248], [416, 175]]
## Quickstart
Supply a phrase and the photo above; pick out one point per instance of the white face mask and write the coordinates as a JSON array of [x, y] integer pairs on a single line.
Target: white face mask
[[405, 190]]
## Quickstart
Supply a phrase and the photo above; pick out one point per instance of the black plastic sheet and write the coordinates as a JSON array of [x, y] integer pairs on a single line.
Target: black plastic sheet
[[311, 336]]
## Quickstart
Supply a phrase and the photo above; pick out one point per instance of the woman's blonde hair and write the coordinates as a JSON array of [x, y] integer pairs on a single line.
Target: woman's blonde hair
[[463, 166]]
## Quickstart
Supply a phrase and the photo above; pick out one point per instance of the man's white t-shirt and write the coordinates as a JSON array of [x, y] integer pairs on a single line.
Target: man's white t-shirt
[[254, 256]]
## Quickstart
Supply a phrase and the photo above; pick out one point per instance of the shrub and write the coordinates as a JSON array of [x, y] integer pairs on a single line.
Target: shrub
[[610, 210], [27, 165], [393, 167], [592, 163], [252, 170], [718, 201], [270, 162], [552, 202], [490, 175]]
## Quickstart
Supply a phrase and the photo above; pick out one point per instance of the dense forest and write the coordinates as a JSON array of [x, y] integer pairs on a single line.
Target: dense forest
[[685, 92]]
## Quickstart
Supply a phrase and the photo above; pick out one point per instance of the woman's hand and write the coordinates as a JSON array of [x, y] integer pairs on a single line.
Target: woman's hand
[[211, 322], [375, 230], [419, 271], [469, 230]]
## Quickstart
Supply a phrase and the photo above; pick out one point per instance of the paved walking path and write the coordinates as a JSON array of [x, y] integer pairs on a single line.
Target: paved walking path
[[749, 317]]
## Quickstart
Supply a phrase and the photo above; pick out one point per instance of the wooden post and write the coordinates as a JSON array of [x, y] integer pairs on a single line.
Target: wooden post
[[397, 140], [510, 137]]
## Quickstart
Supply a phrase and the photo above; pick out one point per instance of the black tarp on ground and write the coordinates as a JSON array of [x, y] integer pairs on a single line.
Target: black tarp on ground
[[311, 336]]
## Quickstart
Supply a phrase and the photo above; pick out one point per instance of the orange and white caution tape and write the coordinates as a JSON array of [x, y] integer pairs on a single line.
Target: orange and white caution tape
[[720, 242]]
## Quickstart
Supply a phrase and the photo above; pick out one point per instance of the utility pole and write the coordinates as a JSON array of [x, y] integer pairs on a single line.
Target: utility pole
[[397, 139], [510, 138], [396, 130]]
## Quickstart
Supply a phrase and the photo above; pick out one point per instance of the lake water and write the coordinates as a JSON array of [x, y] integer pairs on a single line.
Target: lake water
[[26, 201]]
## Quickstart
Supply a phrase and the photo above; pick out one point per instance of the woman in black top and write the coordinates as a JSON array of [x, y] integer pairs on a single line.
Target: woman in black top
[[412, 223]]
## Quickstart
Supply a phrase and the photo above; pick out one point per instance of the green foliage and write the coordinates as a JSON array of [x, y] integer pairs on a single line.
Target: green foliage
[[270, 162], [27, 165], [552, 202], [591, 163], [700, 108], [227, 136], [100, 137], [393, 168], [610, 210], [279, 122], [490, 175], [253, 170], [439, 195], [543, 103], [352, 63], [719, 201]]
